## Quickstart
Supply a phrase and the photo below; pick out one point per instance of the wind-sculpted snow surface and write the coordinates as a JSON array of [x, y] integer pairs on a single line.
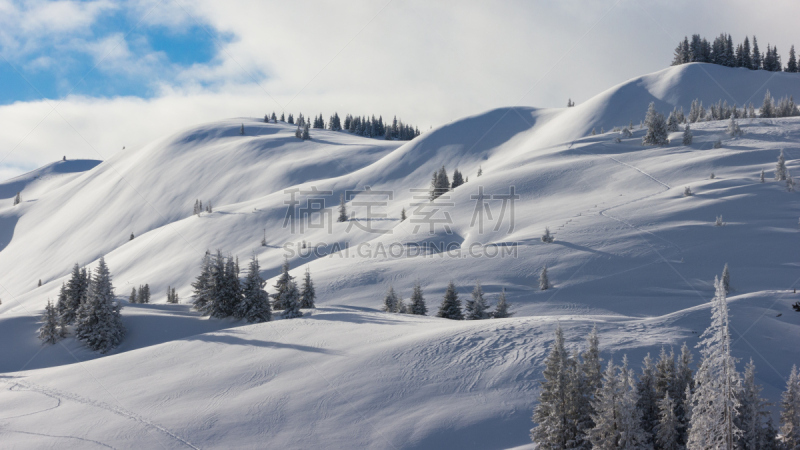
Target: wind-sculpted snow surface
[[630, 253]]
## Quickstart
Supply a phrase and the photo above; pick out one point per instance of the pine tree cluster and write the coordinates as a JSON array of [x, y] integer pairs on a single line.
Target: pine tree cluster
[[667, 407], [140, 296], [722, 51], [367, 126], [218, 292], [440, 182], [86, 302]]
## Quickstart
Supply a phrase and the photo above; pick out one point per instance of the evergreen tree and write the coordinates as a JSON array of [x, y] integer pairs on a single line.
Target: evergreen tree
[[202, 286], [75, 294], [790, 411], [544, 281], [274, 117], [733, 127], [552, 416], [281, 286], [442, 182], [254, 307], [476, 307], [717, 386], [672, 120], [761, 177], [98, 322], [291, 299], [403, 215], [791, 65], [17, 199], [417, 305], [283, 119], [756, 55], [458, 179], [780, 168], [747, 57], [667, 429], [144, 294], [241, 130], [501, 309], [648, 399], [767, 107], [61, 303], [451, 305], [342, 210], [547, 237], [131, 238], [656, 127], [752, 411], [305, 135], [51, 330], [480, 171], [307, 292], [134, 298], [632, 435], [726, 279], [586, 381]]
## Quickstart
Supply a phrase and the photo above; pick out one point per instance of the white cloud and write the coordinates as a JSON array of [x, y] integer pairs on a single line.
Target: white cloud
[[427, 62]]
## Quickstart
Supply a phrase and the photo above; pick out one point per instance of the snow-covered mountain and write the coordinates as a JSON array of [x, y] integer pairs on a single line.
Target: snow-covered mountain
[[632, 255]]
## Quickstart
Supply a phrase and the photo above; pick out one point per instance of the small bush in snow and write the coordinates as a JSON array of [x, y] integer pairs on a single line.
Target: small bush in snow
[[719, 222], [718, 144], [687, 191], [547, 237], [712, 176]]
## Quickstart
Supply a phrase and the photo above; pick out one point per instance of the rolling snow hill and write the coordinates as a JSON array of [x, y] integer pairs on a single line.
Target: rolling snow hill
[[632, 255]]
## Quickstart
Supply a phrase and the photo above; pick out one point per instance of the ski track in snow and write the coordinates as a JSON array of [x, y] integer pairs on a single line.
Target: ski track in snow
[[61, 395], [7, 430]]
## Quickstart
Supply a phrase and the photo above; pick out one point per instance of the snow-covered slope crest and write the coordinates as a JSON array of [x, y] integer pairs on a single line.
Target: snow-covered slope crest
[[631, 253]]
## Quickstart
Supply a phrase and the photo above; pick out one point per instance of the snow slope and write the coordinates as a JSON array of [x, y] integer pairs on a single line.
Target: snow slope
[[631, 254]]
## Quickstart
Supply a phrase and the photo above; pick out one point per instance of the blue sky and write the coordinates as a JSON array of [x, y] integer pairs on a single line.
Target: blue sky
[[69, 64]]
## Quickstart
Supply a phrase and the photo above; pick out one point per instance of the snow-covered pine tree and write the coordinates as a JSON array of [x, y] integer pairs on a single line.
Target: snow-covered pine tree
[[585, 381], [342, 210], [442, 182], [17, 199], [687, 191], [307, 293], [607, 405], [648, 399], [733, 128], [451, 305], [665, 374], [134, 298], [61, 303], [791, 65], [291, 301], [51, 330], [684, 382], [281, 285], [298, 133], [476, 307], [501, 310], [417, 305], [390, 300], [672, 120], [254, 307], [780, 168], [726, 279], [717, 383], [790, 411], [553, 415], [761, 177], [144, 294], [458, 179], [98, 322], [241, 130], [544, 281], [632, 435], [274, 117], [767, 107], [656, 133], [401, 307], [217, 306], [403, 215], [305, 136], [480, 171], [547, 237], [202, 286], [76, 294], [752, 411], [626, 133], [666, 437]]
